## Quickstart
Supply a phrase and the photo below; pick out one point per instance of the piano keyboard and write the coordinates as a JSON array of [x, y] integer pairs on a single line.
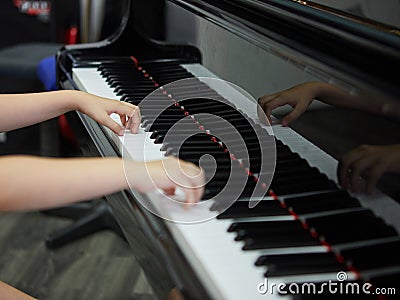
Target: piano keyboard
[[304, 230]]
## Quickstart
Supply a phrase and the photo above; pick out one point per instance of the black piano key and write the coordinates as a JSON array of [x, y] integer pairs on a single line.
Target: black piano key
[[165, 119], [130, 99], [234, 121], [126, 84], [179, 132], [173, 115], [351, 227], [296, 264], [322, 202], [187, 89], [240, 209], [275, 232], [383, 254], [265, 226], [163, 127], [288, 165], [161, 64], [166, 71], [272, 234], [161, 68], [128, 81], [204, 106], [219, 160], [220, 157], [214, 110], [166, 79], [295, 239], [300, 184], [110, 75], [132, 91], [158, 111], [174, 145], [148, 112], [206, 93], [204, 149], [282, 175]]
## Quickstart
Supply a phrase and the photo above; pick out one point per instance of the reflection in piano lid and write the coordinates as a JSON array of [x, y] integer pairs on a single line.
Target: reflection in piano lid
[[371, 13], [305, 229]]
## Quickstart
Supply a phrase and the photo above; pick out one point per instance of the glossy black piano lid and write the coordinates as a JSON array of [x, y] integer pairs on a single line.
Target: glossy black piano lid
[[382, 14], [334, 43]]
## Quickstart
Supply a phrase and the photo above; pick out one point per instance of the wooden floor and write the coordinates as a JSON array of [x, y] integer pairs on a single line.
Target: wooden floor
[[100, 266], [97, 267]]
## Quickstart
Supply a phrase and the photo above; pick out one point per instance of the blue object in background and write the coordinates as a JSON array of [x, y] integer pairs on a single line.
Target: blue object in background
[[46, 72]]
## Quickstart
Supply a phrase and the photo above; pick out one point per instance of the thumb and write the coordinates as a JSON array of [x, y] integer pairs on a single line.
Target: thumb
[[114, 126], [299, 109]]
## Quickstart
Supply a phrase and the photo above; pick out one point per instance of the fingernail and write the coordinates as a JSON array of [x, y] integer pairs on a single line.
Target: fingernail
[[121, 132], [284, 123]]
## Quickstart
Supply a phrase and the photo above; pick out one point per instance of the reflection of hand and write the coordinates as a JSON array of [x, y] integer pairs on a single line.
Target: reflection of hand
[[298, 97], [369, 162], [100, 110], [167, 175]]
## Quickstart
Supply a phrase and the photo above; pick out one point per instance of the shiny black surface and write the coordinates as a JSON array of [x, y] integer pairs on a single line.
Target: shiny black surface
[[333, 44]]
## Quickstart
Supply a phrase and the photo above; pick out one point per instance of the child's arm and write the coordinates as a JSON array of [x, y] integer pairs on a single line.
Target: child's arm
[[30, 183], [20, 110], [9, 293]]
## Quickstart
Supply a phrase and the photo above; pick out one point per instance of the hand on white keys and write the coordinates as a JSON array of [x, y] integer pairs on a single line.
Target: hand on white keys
[[100, 109], [167, 175]]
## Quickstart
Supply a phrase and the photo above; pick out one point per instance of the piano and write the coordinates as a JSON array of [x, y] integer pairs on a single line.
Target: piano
[[203, 70]]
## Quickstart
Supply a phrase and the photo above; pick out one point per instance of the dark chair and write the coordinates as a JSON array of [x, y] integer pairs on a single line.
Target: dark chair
[[21, 61]]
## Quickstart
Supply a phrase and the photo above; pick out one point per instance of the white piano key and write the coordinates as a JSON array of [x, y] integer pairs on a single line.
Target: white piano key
[[222, 265], [93, 83]]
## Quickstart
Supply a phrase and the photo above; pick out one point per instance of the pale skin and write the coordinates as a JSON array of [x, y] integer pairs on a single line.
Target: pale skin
[[24, 178], [366, 161]]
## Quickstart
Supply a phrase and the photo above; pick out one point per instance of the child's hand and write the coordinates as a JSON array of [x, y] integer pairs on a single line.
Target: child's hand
[[100, 110], [298, 97], [369, 162], [167, 175]]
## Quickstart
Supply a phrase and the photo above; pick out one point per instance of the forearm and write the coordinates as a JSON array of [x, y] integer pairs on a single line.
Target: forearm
[[30, 183], [20, 110], [9, 293]]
